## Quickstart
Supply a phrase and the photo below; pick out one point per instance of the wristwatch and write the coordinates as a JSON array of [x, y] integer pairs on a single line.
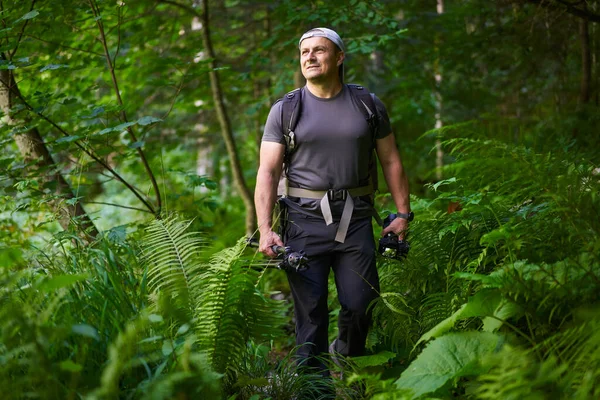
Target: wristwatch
[[409, 217]]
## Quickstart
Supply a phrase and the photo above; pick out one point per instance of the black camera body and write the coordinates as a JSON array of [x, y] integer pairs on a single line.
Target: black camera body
[[390, 246], [291, 260]]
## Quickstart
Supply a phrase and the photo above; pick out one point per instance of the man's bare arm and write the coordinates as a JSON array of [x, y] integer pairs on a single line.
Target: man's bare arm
[[396, 180], [265, 193]]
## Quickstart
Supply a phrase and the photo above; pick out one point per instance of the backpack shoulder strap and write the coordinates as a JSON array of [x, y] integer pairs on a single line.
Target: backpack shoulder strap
[[290, 114], [366, 103]]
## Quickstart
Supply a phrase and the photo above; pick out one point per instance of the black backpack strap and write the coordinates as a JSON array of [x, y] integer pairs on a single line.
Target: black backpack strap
[[366, 103], [291, 108]]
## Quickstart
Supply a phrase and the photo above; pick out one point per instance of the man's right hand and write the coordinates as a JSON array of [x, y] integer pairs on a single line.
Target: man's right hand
[[267, 240]]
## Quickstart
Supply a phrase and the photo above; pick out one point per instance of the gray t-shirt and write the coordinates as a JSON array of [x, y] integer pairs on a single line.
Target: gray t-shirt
[[333, 148]]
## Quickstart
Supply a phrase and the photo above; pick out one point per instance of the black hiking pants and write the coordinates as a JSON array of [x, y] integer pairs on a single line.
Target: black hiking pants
[[356, 279]]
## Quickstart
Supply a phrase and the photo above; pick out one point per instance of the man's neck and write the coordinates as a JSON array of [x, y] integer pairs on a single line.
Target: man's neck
[[324, 90]]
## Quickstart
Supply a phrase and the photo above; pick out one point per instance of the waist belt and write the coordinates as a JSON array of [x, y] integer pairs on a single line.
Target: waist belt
[[331, 195]]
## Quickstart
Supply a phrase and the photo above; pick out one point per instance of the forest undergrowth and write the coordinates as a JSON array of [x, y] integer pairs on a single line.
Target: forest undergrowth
[[498, 300]]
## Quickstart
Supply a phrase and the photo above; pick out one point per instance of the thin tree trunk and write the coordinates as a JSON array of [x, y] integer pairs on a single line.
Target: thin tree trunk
[[439, 154], [111, 67], [226, 130], [586, 63], [32, 148], [204, 162]]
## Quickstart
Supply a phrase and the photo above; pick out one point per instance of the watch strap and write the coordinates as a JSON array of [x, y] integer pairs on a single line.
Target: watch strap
[[407, 216]]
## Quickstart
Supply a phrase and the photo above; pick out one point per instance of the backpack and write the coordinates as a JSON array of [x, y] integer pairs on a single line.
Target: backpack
[[291, 111]]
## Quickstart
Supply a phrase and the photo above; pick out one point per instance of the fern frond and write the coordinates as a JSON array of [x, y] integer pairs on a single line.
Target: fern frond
[[232, 310], [172, 254], [514, 374]]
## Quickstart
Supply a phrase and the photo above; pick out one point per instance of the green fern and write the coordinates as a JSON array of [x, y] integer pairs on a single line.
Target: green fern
[[173, 257], [225, 307], [232, 310], [513, 374], [528, 233]]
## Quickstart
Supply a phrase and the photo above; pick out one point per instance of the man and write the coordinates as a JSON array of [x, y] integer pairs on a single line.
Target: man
[[329, 200]]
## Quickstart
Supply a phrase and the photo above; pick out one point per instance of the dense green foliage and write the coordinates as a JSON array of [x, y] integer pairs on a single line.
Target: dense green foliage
[[499, 297]]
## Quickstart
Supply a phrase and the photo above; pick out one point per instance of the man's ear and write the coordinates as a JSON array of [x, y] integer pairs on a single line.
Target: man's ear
[[340, 57]]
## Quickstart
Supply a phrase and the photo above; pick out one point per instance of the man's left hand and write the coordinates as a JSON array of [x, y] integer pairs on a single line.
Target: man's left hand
[[398, 226]]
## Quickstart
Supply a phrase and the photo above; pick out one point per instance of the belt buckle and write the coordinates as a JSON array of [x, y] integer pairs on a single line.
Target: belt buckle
[[337, 194]]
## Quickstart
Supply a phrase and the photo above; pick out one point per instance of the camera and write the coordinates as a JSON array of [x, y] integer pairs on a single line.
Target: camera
[[390, 246], [291, 260]]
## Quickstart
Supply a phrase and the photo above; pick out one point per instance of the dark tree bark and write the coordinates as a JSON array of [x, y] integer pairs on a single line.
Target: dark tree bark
[[586, 62], [34, 150]]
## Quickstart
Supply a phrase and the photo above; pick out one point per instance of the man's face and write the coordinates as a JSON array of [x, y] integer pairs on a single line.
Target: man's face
[[319, 59]]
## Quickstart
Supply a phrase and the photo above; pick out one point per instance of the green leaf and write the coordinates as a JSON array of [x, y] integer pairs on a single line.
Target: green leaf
[[61, 281], [504, 311], [374, 360], [436, 185], [448, 358], [72, 201], [148, 120], [95, 112], [198, 180], [483, 304], [53, 66], [70, 366], [183, 329], [136, 145], [117, 128], [167, 348], [69, 100], [123, 126], [68, 139], [30, 15], [117, 234], [391, 306], [155, 318], [86, 330]]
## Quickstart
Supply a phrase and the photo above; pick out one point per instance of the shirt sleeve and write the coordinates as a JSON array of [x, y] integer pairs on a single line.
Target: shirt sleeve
[[273, 131], [385, 127]]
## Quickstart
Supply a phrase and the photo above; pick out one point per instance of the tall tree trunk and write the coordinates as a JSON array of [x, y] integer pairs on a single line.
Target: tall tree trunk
[[439, 154], [32, 148], [586, 62], [226, 130], [204, 161]]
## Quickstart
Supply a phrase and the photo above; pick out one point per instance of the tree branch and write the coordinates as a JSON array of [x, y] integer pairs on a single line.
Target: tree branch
[[11, 55], [111, 69], [85, 150], [566, 7], [116, 205], [64, 46]]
